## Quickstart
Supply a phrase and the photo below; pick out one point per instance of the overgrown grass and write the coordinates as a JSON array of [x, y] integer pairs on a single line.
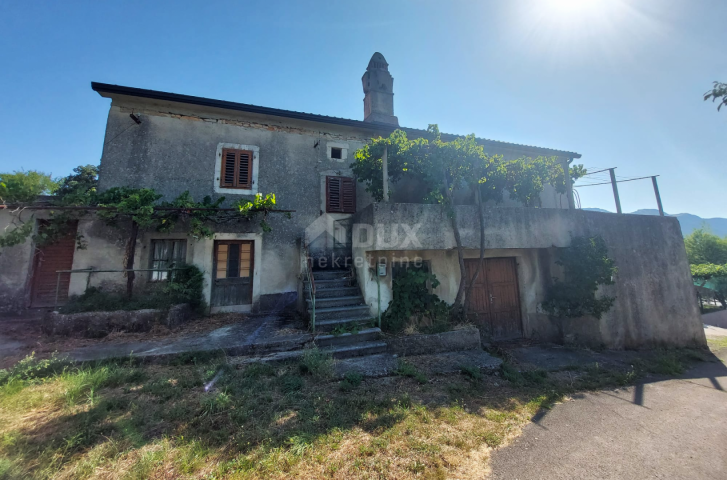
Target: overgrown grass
[[202, 418]]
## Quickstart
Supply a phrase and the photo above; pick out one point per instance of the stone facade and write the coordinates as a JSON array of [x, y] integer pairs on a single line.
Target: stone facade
[[178, 146]]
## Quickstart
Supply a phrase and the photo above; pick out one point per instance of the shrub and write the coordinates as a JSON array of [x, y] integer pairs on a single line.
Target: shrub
[[316, 362], [413, 303], [182, 286], [31, 368], [586, 266], [350, 381]]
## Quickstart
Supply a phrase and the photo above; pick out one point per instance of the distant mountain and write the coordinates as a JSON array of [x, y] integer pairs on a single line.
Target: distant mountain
[[688, 222]]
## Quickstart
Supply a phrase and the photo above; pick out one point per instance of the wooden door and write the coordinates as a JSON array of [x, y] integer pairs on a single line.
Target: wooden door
[[495, 298], [46, 262], [232, 276]]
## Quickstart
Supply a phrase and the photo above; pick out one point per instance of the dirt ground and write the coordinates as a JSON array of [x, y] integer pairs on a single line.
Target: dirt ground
[[20, 337]]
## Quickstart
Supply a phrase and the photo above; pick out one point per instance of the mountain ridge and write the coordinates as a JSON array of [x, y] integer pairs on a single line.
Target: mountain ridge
[[689, 222]]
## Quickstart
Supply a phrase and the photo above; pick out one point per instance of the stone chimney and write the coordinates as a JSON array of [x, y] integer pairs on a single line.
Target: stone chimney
[[378, 87]]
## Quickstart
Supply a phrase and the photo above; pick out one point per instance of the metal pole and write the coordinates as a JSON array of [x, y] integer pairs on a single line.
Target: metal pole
[[88, 280], [385, 161], [378, 286], [58, 287], [658, 197], [615, 190]]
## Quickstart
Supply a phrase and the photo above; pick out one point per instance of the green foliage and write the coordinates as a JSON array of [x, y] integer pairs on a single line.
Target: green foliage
[[586, 266], [412, 302], [316, 362], [16, 236], [718, 92], [24, 187], [351, 381], [31, 368], [705, 248], [523, 378], [406, 369], [78, 188], [444, 166], [196, 219], [708, 271], [136, 203], [182, 286]]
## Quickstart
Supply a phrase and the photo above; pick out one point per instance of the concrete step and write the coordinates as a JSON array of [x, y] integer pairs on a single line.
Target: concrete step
[[357, 350], [331, 274], [353, 300], [364, 335], [347, 311], [332, 283], [334, 292], [326, 325]]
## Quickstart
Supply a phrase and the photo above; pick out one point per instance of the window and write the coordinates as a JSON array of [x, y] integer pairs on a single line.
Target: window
[[166, 254], [236, 171], [340, 195], [336, 153], [233, 260]]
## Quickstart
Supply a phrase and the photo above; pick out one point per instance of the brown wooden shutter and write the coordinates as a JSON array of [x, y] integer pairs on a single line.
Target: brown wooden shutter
[[340, 195], [227, 177], [244, 170], [236, 169], [333, 194], [348, 195]]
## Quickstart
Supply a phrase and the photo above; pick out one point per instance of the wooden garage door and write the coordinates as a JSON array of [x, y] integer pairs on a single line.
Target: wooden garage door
[[46, 262], [494, 302]]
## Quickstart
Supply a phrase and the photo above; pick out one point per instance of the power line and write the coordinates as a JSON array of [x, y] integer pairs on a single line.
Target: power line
[[618, 181]]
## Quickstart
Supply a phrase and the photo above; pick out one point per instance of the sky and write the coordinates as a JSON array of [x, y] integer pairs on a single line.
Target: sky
[[618, 81]]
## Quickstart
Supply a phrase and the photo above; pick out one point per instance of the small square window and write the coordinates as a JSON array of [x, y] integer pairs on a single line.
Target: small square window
[[336, 153]]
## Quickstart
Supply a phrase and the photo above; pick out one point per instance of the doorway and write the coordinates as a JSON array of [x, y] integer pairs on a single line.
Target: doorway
[[47, 260], [233, 266], [494, 302]]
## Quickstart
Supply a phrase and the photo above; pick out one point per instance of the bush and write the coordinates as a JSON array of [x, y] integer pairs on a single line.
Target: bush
[[413, 304], [31, 368], [316, 362], [350, 381], [183, 286]]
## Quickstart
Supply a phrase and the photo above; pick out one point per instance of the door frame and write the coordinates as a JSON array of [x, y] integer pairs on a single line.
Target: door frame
[[486, 284], [204, 256], [35, 259], [214, 268]]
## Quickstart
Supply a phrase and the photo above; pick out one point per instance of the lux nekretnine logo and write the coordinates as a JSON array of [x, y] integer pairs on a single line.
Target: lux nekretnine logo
[[336, 243]]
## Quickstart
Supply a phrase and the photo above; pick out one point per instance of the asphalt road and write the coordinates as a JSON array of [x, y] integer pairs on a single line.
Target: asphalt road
[[667, 429]]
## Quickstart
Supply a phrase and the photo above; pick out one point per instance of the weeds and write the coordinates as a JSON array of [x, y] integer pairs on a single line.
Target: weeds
[[471, 371], [316, 362], [406, 369], [350, 381]]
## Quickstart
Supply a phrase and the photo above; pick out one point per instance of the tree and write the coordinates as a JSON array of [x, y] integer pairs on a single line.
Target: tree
[[22, 187], [79, 187], [705, 248], [446, 168], [718, 92]]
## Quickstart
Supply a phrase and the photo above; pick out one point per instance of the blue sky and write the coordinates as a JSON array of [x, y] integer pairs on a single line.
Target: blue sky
[[620, 82]]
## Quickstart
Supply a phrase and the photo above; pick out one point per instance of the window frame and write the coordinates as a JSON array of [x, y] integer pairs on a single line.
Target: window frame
[[238, 154], [219, 186], [162, 274]]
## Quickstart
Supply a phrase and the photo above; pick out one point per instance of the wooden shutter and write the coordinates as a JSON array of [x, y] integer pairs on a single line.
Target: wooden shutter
[[236, 171], [340, 195]]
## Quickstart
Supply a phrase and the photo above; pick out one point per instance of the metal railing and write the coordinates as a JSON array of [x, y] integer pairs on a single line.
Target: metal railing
[[312, 291], [90, 271]]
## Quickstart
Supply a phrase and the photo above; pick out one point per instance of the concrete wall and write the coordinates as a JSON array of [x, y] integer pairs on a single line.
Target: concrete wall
[[654, 291]]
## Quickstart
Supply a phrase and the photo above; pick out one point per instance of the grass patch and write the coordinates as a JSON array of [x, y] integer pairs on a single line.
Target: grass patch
[[406, 369], [202, 418]]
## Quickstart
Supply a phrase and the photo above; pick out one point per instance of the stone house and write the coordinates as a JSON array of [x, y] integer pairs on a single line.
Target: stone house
[[175, 143]]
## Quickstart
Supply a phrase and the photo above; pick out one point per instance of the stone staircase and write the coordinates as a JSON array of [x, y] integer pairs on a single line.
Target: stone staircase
[[343, 320]]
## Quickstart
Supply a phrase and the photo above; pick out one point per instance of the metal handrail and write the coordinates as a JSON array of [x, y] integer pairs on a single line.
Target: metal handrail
[[312, 291]]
